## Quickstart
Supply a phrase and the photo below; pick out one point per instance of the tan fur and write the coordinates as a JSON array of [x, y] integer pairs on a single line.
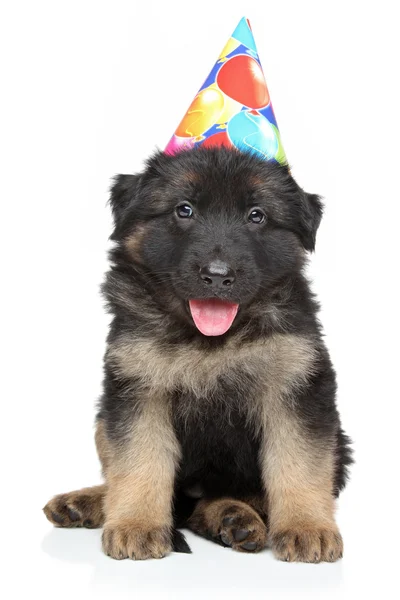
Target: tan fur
[[259, 504], [133, 242], [311, 544], [298, 477], [222, 518], [297, 473], [130, 540], [81, 508], [212, 512], [140, 480], [285, 358], [186, 177], [103, 446]]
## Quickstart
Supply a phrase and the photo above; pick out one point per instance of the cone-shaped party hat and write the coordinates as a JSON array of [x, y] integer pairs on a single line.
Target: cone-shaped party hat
[[232, 107]]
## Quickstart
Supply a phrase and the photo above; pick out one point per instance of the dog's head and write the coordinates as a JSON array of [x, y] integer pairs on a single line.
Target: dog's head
[[215, 229]]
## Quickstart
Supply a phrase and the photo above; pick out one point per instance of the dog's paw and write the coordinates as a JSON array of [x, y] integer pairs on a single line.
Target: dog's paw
[[127, 540], [76, 509], [242, 529], [310, 545]]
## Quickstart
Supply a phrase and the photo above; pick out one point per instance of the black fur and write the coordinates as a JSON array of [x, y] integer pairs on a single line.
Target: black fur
[[148, 292]]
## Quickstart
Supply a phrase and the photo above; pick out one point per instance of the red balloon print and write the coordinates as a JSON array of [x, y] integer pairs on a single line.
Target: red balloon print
[[218, 139], [242, 79]]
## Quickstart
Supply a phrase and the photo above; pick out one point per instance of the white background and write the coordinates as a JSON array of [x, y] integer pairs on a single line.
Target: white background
[[88, 89]]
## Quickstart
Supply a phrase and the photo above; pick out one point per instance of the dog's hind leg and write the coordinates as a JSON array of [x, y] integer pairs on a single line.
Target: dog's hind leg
[[82, 508], [229, 522]]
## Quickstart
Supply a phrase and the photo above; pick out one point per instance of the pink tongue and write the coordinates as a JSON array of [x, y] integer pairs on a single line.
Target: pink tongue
[[213, 316]]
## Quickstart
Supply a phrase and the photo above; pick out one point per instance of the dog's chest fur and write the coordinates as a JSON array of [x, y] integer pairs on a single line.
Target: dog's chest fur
[[269, 367], [218, 399]]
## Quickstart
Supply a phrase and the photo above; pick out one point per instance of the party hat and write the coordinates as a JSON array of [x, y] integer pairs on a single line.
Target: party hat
[[233, 106]]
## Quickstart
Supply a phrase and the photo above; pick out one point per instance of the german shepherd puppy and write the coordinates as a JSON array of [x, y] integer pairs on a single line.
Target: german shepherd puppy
[[218, 412]]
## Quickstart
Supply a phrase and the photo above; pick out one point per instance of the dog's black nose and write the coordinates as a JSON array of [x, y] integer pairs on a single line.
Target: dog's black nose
[[217, 274]]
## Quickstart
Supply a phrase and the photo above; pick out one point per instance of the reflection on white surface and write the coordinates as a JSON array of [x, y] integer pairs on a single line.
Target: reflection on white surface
[[210, 569]]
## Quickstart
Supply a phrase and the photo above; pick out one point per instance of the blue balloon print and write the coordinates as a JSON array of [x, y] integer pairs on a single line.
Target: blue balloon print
[[253, 132]]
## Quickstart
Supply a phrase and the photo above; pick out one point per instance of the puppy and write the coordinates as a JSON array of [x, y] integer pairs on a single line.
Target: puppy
[[218, 411]]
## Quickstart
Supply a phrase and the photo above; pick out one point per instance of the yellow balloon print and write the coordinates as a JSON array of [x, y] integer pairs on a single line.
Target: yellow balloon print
[[231, 107], [202, 114], [229, 47]]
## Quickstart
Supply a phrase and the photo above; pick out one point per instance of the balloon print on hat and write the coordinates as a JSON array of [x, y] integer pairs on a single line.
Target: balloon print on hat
[[229, 47], [249, 131], [230, 107], [280, 156], [225, 110], [241, 78], [177, 144], [217, 140], [244, 35], [202, 113]]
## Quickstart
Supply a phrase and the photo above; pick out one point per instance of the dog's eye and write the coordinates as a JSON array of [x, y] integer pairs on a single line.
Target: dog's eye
[[184, 211], [256, 216]]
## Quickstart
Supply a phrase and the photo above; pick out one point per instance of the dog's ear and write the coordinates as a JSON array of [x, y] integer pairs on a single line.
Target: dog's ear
[[310, 218], [122, 195]]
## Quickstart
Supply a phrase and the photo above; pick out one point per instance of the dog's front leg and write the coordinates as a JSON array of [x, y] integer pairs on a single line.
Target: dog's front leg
[[140, 482], [298, 474]]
